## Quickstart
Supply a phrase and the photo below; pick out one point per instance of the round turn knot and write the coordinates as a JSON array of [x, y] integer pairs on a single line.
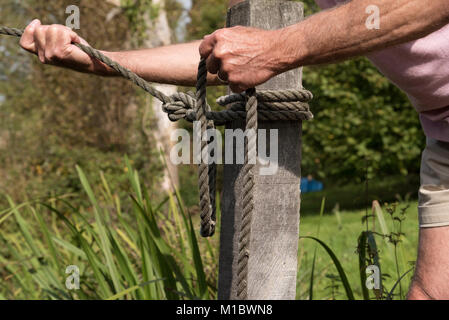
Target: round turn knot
[[180, 106]]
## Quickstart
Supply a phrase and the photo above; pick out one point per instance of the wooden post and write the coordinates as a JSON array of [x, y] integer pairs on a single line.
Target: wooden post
[[273, 250]]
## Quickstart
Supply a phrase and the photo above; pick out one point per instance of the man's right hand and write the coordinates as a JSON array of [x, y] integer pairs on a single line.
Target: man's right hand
[[53, 44]]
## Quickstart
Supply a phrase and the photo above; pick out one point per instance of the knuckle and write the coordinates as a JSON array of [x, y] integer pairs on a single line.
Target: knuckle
[[220, 34], [226, 68], [219, 52], [54, 28], [37, 30], [40, 30], [30, 28], [28, 31]]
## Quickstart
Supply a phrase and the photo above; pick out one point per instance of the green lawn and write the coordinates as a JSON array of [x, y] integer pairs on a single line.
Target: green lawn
[[340, 232]]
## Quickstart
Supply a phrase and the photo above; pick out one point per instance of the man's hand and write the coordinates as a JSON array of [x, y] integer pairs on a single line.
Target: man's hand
[[53, 44], [245, 57]]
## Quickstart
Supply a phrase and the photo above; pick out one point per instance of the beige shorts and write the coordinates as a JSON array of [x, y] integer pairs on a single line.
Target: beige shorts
[[434, 191]]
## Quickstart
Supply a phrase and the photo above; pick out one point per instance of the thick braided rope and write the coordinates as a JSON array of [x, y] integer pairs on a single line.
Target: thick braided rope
[[264, 105], [248, 195], [207, 222]]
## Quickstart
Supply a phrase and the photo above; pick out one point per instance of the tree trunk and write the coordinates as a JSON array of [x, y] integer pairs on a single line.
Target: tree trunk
[[159, 34]]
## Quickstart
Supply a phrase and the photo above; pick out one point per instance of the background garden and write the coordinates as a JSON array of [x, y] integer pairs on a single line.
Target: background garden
[[82, 172]]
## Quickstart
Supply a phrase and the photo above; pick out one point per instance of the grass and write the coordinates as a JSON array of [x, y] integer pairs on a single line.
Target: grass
[[149, 252], [152, 251], [340, 232]]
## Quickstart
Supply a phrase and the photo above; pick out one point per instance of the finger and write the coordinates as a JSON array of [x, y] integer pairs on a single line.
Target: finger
[[58, 41], [213, 64], [75, 38], [39, 40], [207, 46], [27, 39], [73, 51], [237, 88], [223, 76]]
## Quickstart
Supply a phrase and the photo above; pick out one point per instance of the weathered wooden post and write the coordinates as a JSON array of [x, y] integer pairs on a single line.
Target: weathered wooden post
[[272, 266]]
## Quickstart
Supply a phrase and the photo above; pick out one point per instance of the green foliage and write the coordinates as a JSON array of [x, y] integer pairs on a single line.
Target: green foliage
[[206, 16], [363, 126], [363, 239], [341, 272], [136, 253], [142, 12], [52, 119], [150, 250]]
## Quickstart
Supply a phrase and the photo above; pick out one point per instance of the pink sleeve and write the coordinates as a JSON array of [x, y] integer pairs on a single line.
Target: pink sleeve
[[326, 4]]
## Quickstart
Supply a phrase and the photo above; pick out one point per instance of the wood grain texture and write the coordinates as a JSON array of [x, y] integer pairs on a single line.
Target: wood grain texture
[[275, 225]]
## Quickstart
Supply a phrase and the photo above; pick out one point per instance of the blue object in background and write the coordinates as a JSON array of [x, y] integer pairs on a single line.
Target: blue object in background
[[310, 185]]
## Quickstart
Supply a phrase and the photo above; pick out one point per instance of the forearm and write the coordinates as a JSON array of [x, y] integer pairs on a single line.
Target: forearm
[[341, 33], [174, 64]]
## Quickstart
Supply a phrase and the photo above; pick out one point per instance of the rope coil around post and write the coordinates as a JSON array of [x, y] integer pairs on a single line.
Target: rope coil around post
[[270, 105]]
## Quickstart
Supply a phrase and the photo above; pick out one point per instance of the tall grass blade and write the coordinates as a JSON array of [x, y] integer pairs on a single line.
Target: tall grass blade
[[390, 294], [362, 243], [102, 231], [312, 273], [341, 272], [132, 289]]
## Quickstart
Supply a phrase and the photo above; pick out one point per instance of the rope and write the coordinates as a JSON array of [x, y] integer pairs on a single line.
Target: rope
[[269, 105], [207, 221], [248, 195]]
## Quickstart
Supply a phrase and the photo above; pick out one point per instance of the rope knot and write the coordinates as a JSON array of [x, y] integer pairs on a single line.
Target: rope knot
[[271, 104], [179, 106]]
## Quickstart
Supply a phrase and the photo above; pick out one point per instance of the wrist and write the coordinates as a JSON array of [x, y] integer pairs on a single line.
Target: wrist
[[101, 69], [290, 48]]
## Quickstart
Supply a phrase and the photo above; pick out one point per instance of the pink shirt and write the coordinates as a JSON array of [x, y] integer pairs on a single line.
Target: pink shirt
[[421, 69]]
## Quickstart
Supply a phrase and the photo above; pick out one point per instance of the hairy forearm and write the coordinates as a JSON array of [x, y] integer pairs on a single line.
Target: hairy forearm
[[341, 33], [173, 64]]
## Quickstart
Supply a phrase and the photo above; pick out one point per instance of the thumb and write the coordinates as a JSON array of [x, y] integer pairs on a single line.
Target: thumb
[[27, 39], [75, 38]]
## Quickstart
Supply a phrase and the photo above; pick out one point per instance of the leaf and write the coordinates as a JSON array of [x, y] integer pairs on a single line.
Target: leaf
[[341, 272]]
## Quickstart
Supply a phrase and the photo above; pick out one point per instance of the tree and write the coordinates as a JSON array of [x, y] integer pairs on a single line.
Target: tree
[[56, 118]]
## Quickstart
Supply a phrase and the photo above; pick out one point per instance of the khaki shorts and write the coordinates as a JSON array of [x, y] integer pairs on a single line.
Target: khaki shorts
[[434, 191]]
